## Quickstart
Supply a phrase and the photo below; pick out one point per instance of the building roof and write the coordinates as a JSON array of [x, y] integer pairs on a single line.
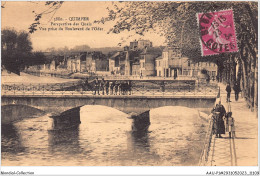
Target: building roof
[[118, 54], [152, 50], [158, 58]]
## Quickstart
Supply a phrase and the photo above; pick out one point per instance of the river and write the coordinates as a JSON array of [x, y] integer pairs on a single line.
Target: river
[[104, 138]]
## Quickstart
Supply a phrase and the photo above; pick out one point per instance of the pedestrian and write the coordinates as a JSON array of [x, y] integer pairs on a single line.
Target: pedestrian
[[86, 85], [129, 87], [228, 89], [116, 87], [102, 86], [123, 88], [96, 82], [107, 87], [218, 112], [112, 85], [230, 125], [236, 90], [120, 88], [162, 86]]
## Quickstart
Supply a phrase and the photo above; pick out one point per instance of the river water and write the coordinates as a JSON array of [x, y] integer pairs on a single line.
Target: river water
[[104, 138]]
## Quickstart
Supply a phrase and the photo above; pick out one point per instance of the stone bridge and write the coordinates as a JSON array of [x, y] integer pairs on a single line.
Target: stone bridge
[[13, 106]]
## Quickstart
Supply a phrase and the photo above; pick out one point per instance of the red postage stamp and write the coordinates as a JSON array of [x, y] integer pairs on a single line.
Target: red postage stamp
[[217, 32]]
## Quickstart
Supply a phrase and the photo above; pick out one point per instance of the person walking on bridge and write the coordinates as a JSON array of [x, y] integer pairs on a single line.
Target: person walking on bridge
[[96, 82], [102, 86], [112, 85], [129, 87], [107, 86], [85, 85], [116, 87]]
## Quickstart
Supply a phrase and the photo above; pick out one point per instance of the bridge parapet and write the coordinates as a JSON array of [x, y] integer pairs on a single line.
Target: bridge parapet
[[73, 88]]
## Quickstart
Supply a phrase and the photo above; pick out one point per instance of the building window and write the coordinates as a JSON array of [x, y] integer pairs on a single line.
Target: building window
[[198, 63], [188, 63], [209, 63], [159, 63], [159, 73], [143, 65], [185, 72]]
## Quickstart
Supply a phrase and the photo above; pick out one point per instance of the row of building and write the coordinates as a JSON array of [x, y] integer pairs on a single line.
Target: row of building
[[139, 59]]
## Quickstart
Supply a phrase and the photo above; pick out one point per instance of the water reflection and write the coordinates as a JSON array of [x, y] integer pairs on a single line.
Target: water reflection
[[105, 138], [11, 140], [66, 141], [140, 141]]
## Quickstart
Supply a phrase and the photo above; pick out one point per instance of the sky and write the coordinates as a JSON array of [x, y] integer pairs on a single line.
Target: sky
[[18, 15]]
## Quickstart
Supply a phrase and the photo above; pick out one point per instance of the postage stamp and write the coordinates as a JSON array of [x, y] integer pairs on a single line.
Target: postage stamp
[[217, 32]]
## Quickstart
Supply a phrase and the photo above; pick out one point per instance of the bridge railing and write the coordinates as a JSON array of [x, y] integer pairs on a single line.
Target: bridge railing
[[76, 88]]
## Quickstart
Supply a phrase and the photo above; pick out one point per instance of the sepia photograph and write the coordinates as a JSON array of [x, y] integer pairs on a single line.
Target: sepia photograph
[[129, 83]]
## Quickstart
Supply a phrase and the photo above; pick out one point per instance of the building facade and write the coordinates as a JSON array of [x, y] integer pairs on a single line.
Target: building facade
[[172, 64], [147, 61], [140, 44]]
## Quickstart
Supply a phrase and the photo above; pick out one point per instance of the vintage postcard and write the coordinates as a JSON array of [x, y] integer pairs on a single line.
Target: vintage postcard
[[129, 83]]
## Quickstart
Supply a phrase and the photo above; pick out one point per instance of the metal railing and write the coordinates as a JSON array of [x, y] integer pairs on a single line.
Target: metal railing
[[66, 74], [77, 88], [207, 144]]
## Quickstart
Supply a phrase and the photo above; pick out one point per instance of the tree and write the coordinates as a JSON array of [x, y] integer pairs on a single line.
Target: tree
[[51, 9], [17, 51], [80, 48], [16, 48], [177, 22], [38, 58]]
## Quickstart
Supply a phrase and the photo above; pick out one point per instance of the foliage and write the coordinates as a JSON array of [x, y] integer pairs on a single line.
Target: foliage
[[51, 9], [176, 21], [16, 48]]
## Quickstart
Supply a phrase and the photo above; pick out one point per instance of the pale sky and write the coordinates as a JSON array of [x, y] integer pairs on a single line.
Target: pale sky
[[19, 15]]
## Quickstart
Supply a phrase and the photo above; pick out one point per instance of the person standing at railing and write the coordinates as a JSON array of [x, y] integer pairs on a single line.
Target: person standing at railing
[[120, 90], [102, 86], [129, 87], [141, 75], [116, 87], [96, 82], [228, 89], [162, 86], [111, 85], [85, 84], [218, 112], [107, 86]]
